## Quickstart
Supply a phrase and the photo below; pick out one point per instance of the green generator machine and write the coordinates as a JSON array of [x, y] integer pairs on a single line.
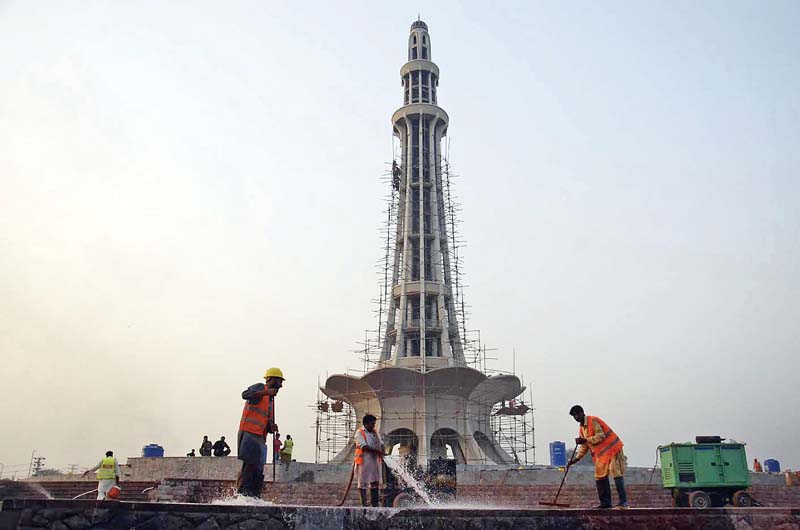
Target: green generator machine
[[707, 473]]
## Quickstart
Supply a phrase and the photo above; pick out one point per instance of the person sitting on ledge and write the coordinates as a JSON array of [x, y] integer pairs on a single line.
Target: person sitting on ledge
[[205, 447], [221, 447]]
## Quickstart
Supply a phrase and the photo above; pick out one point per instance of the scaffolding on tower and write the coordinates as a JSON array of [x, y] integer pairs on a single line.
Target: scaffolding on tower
[[513, 426], [334, 425]]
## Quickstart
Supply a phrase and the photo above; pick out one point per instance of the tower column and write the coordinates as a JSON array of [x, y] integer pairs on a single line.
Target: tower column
[[421, 231], [405, 270], [436, 197]]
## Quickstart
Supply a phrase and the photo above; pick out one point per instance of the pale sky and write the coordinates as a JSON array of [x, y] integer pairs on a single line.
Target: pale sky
[[190, 193]]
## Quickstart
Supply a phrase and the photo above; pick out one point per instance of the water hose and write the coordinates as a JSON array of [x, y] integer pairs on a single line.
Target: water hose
[[85, 493], [349, 483], [654, 466]]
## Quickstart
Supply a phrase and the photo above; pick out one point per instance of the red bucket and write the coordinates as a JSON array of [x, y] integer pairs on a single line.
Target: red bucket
[[114, 492]]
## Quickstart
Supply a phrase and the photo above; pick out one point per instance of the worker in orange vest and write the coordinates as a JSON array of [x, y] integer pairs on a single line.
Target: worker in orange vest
[[369, 451], [757, 466], [597, 438], [258, 419]]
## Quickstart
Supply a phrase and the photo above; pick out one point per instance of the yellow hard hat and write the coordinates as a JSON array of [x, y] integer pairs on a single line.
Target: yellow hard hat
[[274, 372]]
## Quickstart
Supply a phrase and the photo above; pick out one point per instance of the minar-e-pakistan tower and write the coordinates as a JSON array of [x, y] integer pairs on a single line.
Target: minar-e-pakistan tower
[[422, 390]]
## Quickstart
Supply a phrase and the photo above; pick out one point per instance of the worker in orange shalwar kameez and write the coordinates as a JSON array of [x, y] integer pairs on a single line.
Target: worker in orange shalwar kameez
[[595, 436]]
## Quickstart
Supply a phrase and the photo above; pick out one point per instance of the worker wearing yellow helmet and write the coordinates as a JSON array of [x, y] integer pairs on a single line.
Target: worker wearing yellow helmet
[[258, 419]]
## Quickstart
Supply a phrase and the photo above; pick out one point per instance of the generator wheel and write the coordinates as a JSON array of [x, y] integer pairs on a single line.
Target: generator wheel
[[742, 499], [699, 499], [404, 500]]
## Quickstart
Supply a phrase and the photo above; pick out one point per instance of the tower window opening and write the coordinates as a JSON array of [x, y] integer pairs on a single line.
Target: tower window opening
[[415, 261], [432, 346], [424, 52], [415, 210], [414, 56], [428, 264], [431, 311], [425, 152], [414, 307], [424, 39], [413, 346]]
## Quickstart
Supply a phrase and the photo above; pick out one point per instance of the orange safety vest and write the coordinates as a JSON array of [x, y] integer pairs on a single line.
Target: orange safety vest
[[608, 448], [359, 459], [258, 419]]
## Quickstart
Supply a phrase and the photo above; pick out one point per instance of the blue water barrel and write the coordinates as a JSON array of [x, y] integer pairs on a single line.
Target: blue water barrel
[[772, 466], [558, 454], [152, 451]]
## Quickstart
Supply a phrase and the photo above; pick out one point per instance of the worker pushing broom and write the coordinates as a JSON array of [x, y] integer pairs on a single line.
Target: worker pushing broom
[[597, 438]]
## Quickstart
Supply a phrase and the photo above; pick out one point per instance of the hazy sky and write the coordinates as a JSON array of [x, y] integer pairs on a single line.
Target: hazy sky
[[190, 193]]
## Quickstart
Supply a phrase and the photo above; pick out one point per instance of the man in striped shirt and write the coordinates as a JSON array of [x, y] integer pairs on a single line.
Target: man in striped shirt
[[597, 438]]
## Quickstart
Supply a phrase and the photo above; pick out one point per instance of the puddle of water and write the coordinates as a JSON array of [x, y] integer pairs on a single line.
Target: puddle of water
[[466, 506], [405, 475]]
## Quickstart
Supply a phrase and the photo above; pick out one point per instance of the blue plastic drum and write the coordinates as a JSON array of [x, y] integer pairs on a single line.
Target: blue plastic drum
[[153, 451], [558, 454], [772, 466]]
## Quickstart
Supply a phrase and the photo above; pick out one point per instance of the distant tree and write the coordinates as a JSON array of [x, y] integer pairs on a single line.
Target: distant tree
[[47, 472]]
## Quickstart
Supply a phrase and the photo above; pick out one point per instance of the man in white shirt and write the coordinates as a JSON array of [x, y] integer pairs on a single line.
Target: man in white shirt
[[369, 451]]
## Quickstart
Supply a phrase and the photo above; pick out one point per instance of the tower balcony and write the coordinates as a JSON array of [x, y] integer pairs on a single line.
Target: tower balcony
[[415, 109], [419, 64]]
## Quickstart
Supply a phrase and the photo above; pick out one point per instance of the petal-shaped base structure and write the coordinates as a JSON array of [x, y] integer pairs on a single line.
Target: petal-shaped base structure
[[429, 411]]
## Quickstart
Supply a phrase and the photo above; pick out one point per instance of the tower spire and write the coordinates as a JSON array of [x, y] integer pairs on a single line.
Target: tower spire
[[422, 330]]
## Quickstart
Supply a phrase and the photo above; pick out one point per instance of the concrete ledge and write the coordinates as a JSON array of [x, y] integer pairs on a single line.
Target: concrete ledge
[[78, 515], [216, 468]]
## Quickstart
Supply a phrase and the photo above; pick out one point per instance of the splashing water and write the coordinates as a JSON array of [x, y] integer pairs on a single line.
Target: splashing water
[[241, 500], [39, 489], [406, 476]]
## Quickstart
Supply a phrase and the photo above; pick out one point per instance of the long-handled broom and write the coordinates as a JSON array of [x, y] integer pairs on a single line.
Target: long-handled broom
[[564, 478]]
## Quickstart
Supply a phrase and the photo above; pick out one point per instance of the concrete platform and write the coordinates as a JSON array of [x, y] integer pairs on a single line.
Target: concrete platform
[[25, 514]]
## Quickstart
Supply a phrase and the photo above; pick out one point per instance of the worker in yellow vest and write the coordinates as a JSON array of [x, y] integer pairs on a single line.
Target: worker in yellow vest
[[597, 438], [286, 451], [107, 475]]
